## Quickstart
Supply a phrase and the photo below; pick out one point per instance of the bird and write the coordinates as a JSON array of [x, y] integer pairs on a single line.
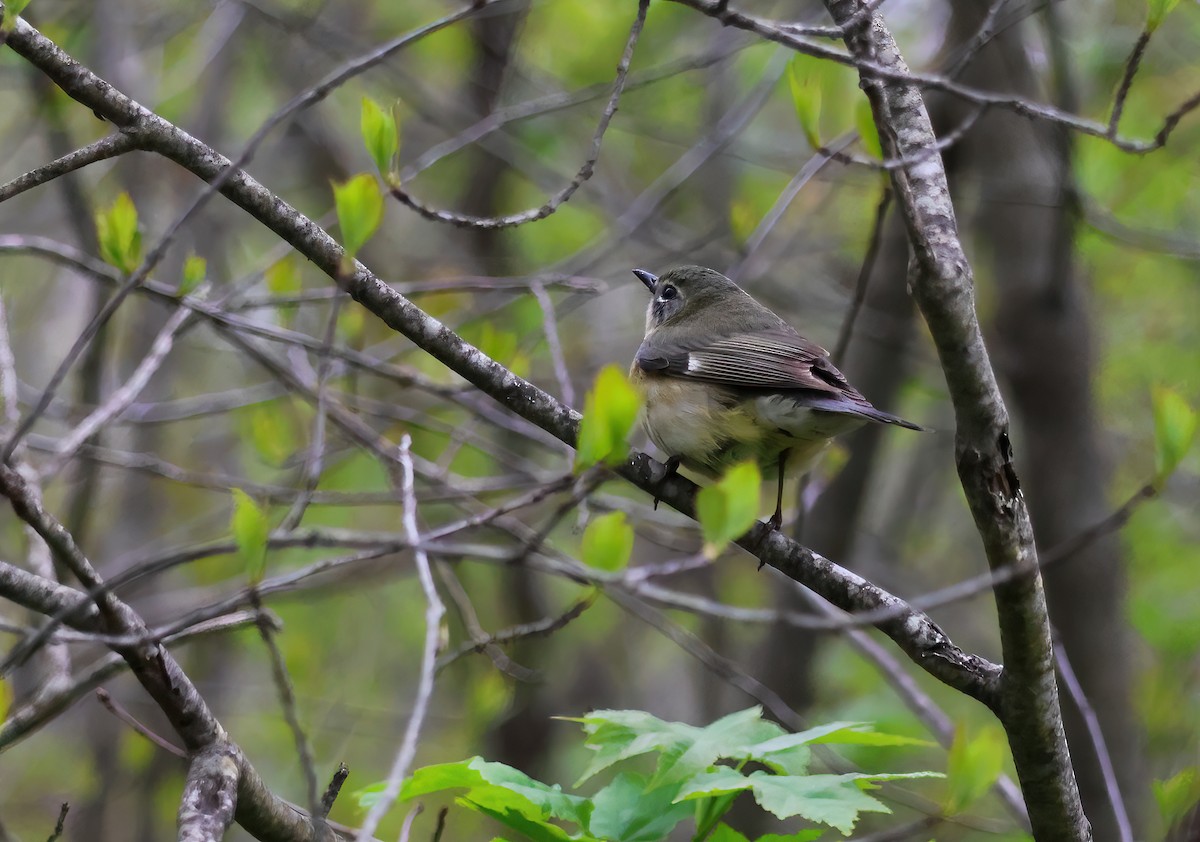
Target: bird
[[724, 379]]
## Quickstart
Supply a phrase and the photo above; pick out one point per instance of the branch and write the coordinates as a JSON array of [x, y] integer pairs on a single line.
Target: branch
[[941, 281], [918, 636], [209, 795]]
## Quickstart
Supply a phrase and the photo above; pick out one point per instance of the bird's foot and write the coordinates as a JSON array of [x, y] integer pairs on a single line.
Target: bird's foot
[[775, 521], [672, 464]]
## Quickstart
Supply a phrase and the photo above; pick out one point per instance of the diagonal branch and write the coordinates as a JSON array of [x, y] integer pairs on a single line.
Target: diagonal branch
[[918, 636]]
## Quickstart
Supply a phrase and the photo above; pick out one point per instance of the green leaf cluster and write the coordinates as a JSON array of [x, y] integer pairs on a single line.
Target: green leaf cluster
[[118, 234], [698, 772]]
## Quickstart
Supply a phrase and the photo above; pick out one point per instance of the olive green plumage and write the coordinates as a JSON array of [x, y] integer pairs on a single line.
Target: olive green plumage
[[725, 380]]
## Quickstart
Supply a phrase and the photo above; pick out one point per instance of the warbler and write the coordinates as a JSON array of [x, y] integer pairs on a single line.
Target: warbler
[[725, 379]]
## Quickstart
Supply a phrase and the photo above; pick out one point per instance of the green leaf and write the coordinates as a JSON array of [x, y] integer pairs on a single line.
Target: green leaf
[[1175, 425], [728, 507], [12, 8], [802, 836], [538, 830], [379, 135], [118, 235], [250, 532], [359, 210], [195, 269], [838, 733], [495, 786], [725, 833], [608, 542], [616, 735], [625, 810], [1177, 795], [972, 767], [282, 277], [804, 83], [1157, 11], [864, 121], [609, 413], [835, 800]]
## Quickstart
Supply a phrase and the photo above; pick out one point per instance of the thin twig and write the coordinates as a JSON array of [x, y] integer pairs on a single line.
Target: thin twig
[[103, 149], [434, 612], [1131, 68], [1111, 785], [58, 825], [334, 788], [864, 277], [496, 223], [287, 699], [112, 706]]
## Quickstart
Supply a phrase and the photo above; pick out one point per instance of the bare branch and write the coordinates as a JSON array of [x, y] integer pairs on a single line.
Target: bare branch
[[434, 612], [103, 149], [585, 171]]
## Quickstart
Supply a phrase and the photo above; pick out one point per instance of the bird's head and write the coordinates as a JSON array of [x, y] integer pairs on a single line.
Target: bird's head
[[687, 292]]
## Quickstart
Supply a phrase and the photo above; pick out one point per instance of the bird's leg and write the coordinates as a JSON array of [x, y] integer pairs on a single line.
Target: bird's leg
[[776, 520], [672, 464]]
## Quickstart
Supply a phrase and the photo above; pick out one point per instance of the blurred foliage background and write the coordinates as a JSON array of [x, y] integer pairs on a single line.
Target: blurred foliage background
[[1085, 259]]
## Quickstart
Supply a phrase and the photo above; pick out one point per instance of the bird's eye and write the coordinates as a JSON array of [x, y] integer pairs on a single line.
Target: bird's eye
[[668, 292]]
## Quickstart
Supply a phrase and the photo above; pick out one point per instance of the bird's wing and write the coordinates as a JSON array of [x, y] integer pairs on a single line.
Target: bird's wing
[[774, 360], [763, 362]]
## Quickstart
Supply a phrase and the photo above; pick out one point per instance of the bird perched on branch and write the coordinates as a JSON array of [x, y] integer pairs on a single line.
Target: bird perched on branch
[[727, 380]]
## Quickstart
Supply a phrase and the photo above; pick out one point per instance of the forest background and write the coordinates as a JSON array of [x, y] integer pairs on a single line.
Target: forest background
[[177, 376]]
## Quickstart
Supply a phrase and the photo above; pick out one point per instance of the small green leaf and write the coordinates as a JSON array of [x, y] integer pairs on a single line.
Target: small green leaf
[[1175, 424], [379, 135], [729, 507], [804, 83], [864, 121], [725, 833], [609, 412], [972, 767], [12, 8], [1157, 12], [1177, 795], [117, 232], [359, 210], [250, 533], [282, 277], [608, 542], [195, 269], [743, 219], [802, 836]]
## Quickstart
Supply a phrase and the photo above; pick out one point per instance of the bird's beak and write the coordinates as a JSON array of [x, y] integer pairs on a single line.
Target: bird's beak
[[648, 278]]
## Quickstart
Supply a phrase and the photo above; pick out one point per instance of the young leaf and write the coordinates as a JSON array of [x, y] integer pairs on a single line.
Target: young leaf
[[118, 235], [608, 542], [379, 134], [282, 277], [359, 210], [250, 533], [725, 833], [1157, 12], [1175, 424], [805, 86], [972, 766], [1177, 795], [609, 412], [195, 269], [12, 8], [864, 121], [728, 507]]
